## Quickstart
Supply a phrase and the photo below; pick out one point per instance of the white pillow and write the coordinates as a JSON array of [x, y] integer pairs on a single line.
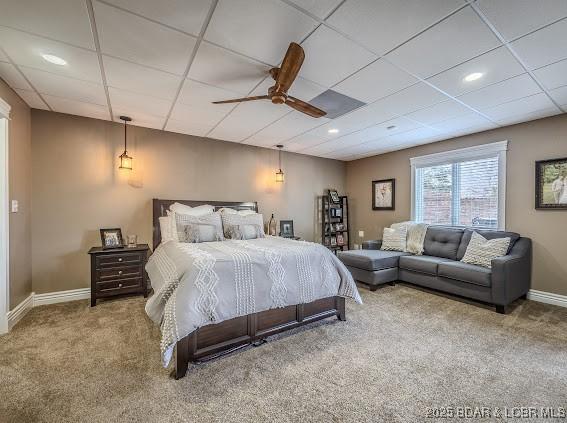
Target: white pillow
[[240, 212], [192, 211], [165, 228], [394, 239], [237, 226], [482, 251], [199, 228]]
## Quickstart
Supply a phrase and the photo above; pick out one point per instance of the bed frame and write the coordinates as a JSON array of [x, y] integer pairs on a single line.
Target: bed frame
[[213, 341]]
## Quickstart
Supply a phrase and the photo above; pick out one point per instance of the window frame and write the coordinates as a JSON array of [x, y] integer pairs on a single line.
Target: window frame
[[493, 149]]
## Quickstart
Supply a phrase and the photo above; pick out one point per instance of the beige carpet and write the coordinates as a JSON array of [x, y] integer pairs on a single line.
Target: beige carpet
[[401, 352]]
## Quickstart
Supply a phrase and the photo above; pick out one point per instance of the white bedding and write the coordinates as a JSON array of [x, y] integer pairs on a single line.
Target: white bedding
[[200, 284]]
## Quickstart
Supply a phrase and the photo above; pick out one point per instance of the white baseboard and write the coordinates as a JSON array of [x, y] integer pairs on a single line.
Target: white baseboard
[[547, 297], [15, 315], [61, 296]]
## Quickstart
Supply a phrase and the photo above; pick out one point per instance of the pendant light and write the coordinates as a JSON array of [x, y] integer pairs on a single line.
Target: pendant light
[[279, 173], [125, 159]]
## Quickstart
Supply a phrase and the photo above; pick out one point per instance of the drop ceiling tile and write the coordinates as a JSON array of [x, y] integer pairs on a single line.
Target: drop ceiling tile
[[188, 128], [289, 126], [139, 118], [330, 57], [140, 79], [319, 8], [219, 67], [32, 99], [560, 95], [375, 81], [456, 39], [26, 50], [204, 116], [136, 39], [187, 16], [13, 78], [384, 24], [471, 120], [544, 46], [419, 135], [513, 18], [196, 93], [408, 100], [303, 89], [526, 105], [553, 76], [72, 107], [131, 103], [64, 20], [439, 112], [248, 118], [502, 92], [512, 120], [301, 142], [64, 87], [261, 29], [496, 65]]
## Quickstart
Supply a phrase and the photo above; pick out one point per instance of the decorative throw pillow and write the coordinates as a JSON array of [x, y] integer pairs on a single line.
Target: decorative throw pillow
[[165, 228], [237, 226], [482, 251], [240, 212], [199, 228], [193, 211], [394, 239]]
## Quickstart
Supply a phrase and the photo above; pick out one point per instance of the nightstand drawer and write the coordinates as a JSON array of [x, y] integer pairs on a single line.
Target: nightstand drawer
[[119, 272], [118, 286], [114, 259]]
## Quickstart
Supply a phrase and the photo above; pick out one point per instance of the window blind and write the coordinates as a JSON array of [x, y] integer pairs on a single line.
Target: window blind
[[463, 193]]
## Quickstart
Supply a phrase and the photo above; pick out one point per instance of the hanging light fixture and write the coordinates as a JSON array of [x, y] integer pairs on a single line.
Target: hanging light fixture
[[125, 159], [279, 173]]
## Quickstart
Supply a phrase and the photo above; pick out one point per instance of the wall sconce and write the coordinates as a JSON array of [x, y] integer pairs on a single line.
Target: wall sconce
[[125, 159], [279, 173]]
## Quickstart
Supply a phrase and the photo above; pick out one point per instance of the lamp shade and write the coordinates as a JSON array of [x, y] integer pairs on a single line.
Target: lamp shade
[[125, 161], [279, 173], [279, 176]]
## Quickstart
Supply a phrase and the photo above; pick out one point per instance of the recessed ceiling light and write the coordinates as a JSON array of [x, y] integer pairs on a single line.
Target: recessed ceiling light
[[56, 60], [333, 131], [473, 76]]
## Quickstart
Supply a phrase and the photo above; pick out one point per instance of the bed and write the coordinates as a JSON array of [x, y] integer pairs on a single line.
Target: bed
[[199, 324]]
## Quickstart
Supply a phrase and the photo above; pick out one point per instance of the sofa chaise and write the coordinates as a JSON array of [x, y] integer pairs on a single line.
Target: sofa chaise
[[440, 267]]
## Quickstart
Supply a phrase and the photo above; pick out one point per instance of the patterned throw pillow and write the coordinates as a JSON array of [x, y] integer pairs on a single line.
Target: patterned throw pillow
[[394, 239], [199, 228], [482, 251], [237, 226]]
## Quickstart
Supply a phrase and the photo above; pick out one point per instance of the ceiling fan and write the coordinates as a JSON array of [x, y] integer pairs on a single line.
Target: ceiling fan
[[284, 77]]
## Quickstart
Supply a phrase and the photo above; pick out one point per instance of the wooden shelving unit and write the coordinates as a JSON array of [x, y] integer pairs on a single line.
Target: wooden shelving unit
[[335, 223]]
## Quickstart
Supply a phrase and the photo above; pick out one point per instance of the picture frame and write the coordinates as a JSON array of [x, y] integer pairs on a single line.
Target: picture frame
[[340, 239], [111, 238], [384, 194], [334, 196], [551, 184], [339, 227], [336, 212], [286, 229], [333, 241]]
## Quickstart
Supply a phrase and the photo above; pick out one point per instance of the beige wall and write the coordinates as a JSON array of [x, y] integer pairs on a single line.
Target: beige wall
[[20, 189], [78, 189], [528, 142]]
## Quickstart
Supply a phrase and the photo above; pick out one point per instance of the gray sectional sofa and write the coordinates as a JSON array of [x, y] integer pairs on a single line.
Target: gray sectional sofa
[[440, 267]]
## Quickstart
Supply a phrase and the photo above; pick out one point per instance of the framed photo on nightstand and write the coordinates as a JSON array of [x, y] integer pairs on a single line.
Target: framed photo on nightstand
[[111, 238]]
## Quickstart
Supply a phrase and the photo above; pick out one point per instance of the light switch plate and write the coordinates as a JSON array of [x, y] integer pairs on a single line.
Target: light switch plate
[[15, 206]]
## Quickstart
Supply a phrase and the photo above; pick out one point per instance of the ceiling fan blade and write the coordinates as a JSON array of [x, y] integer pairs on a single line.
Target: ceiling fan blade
[[290, 67], [304, 107], [240, 100]]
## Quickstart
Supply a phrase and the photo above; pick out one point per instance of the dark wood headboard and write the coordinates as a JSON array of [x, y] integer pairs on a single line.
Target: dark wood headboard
[[160, 208]]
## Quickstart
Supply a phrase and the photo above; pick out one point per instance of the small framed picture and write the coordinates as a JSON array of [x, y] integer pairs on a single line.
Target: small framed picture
[[551, 184], [111, 238], [340, 239], [286, 228], [339, 226], [333, 241], [334, 196], [336, 212], [384, 194]]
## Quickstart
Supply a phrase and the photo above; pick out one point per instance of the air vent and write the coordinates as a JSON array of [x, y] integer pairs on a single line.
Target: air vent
[[335, 104]]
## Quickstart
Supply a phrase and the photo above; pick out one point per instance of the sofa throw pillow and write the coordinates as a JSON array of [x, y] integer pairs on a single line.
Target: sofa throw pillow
[[415, 237], [482, 251], [199, 228], [394, 239], [236, 226]]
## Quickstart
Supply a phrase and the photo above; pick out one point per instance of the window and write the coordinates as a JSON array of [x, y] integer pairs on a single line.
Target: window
[[463, 187]]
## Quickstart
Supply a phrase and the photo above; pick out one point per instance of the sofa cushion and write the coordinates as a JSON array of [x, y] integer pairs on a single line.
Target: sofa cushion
[[488, 235], [422, 264], [371, 259], [465, 272], [442, 242]]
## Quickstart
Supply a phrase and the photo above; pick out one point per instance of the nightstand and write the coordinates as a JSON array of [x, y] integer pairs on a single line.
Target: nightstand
[[118, 271]]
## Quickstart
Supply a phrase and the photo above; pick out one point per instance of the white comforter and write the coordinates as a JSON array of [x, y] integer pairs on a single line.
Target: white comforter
[[201, 284]]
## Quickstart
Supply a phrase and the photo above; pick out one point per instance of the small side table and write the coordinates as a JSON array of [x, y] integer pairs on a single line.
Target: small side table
[[118, 271]]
